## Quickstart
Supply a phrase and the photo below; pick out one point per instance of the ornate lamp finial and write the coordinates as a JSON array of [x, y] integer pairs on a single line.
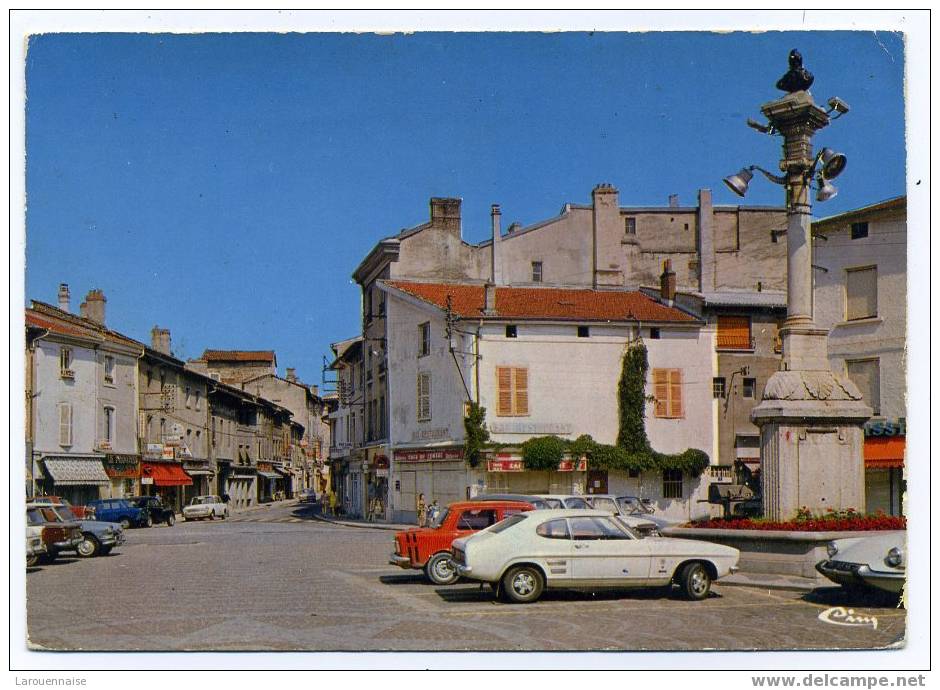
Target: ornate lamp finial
[[798, 78]]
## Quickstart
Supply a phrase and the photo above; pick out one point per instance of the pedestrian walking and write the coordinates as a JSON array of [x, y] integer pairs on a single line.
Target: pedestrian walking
[[421, 509], [333, 503], [433, 511]]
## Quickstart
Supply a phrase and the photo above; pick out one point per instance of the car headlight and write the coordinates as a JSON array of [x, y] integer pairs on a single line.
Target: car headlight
[[895, 557], [832, 549]]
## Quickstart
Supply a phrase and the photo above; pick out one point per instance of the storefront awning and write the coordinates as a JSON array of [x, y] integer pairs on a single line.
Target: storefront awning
[[72, 472], [199, 473], [282, 471], [884, 452], [165, 474], [269, 475]]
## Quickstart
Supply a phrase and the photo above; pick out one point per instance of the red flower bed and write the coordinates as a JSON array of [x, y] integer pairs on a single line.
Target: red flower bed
[[814, 524]]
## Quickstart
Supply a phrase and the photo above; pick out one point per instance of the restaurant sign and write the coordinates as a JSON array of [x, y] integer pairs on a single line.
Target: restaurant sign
[[429, 455], [513, 463], [121, 466]]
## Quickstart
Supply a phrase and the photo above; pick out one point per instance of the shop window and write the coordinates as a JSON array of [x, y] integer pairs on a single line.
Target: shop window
[[672, 483], [512, 396], [861, 293], [718, 387], [667, 390]]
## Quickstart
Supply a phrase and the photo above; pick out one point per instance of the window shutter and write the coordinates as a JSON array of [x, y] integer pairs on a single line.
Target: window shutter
[[734, 332], [504, 391], [675, 393], [661, 391], [861, 293], [521, 391], [65, 424]]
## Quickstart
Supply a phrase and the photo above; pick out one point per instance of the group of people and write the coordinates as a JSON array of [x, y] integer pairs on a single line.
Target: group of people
[[427, 514]]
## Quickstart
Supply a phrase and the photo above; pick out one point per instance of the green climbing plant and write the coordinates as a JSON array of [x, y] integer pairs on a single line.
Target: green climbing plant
[[476, 434]]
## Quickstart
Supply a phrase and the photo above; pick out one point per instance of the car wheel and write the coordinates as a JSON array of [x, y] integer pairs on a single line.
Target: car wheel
[[440, 569], [32, 560], [695, 581], [48, 557], [212, 515], [89, 547], [523, 584], [125, 523], [224, 513], [183, 518], [170, 520], [149, 521]]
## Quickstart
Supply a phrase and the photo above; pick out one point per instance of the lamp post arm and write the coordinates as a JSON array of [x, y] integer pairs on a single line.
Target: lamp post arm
[[769, 175]]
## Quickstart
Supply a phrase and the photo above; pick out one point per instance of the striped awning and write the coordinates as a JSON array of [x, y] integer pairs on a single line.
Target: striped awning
[[884, 452], [73, 472]]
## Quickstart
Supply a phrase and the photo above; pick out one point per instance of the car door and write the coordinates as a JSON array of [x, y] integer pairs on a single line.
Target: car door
[[605, 553], [554, 549]]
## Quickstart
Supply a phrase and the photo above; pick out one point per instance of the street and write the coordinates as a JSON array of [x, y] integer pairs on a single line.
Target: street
[[278, 579]]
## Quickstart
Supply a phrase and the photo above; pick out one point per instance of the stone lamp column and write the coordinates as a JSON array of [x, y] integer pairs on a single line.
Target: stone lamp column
[[810, 417]]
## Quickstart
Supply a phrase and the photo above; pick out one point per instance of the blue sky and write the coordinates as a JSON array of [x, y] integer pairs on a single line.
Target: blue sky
[[225, 186]]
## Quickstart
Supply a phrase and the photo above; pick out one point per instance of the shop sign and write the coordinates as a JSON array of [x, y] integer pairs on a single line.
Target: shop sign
[[168, 453], [154, 449], [430, 434], [572, 466], [428, 455], [121, 467], [505, 464], [381, 472], [146, 480], [529, 428], [883, 427]]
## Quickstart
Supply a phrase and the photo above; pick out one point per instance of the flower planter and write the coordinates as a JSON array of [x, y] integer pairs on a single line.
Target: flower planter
[[773, 552]]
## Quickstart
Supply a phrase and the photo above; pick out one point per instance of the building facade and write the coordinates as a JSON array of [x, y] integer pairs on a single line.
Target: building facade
[[860, 295]]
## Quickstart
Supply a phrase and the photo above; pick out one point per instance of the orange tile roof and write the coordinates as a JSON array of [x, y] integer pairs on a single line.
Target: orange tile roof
[[566, 304], [33, 319], [238, 355]]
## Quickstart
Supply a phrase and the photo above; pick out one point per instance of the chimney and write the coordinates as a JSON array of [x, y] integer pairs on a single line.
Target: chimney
[[93, 306], [445, 214], [667, 282], [64, 296], [496, 275], [673, 201], [489, 300], [706, 242], [291, 374], [160, 339]]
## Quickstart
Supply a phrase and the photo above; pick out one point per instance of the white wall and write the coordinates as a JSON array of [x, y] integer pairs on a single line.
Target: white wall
[[51, 389], [884, 336]]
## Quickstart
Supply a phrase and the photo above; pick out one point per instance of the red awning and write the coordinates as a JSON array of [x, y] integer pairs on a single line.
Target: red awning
[[884, 452], [165, 474]]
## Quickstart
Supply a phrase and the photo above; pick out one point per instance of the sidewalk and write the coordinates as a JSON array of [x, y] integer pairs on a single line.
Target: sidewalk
[[347, 522]]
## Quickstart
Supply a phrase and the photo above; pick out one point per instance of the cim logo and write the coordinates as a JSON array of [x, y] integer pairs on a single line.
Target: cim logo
[[839, 615]]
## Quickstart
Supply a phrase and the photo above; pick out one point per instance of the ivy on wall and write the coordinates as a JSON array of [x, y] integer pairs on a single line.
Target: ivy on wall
[[476, 434]]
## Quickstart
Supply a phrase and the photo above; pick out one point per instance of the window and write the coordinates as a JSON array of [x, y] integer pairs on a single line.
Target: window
[[667, 389], [512, 392], [553, 529], [536, 271], [198, 404], [750, 388], [584, 332], [510, 331], [734, 333], [424, 397], [476, 519], [149, 377], [108, 369], [382, 417], [859, 231], [672, 483], [861, 293], [866, 374], [108, 420], [189, 394], [65, 363], [629, 226], [65, 424], [718, 387], [591, 528], [425, 334], [654, 334], [162, 428]]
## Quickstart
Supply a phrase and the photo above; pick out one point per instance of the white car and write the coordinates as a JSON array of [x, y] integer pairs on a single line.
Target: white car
[[201, 507], [877, 561], [564, 501], [524, 554]]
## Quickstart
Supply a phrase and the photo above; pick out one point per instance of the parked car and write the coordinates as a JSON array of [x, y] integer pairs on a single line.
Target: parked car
[[159, 512], [308, 496], [98, 537], [564, 501], [529, 552], [202, 507], [877, 561], [428, 548], [80, 512], [35, 549], [628, 506], [56, 535], [537, 502], [122, 511]]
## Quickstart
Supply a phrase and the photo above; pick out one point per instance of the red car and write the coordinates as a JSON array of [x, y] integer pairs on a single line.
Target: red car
[[428, 548], [80, 512]]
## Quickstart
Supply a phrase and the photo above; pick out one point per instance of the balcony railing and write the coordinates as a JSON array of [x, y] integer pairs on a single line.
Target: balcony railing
[[735, 342]]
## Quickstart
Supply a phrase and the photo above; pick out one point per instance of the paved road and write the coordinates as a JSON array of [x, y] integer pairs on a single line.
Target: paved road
[[276, 579]]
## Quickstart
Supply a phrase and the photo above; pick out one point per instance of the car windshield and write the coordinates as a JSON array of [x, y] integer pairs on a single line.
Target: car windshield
[[630, 504], [554, 503], [507, 523], [34, 517], [203, 500], [66, 512], [439, 519], [604, 503], [576, 503]]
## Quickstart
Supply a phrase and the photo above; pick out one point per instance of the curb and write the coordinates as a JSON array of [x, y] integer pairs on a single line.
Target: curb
[[362, 525]]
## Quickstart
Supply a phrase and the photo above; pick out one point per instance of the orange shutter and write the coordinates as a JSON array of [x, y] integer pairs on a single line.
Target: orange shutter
[[521, 398], [675, 393], [734, 332], [504, 391], [661, 391]]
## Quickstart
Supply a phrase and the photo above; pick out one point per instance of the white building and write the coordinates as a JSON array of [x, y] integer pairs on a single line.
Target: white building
[[542, 361], [82, 402], [860, 295]]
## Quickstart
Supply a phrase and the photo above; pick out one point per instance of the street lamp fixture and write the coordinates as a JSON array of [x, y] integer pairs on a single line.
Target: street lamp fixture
[[738, 182]]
